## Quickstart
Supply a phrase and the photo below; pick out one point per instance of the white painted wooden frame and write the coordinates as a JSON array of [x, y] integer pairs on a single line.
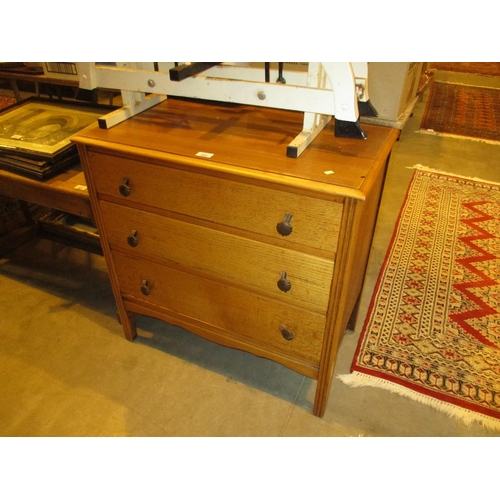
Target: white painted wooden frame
[[327, 89]]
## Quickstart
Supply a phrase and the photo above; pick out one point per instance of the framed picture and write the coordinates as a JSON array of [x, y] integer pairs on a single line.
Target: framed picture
[[40, 129], [35, 135]]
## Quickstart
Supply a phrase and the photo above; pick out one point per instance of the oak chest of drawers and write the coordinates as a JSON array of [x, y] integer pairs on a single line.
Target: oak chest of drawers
[[205, 223]]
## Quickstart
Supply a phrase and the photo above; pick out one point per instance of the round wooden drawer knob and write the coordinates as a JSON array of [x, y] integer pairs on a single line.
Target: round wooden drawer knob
[[284, 227], [283, 283], [287, 334], [124, 187], [132, 240], [145, 288]]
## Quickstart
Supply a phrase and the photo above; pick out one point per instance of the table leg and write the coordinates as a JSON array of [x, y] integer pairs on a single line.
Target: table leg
[[15, 88]]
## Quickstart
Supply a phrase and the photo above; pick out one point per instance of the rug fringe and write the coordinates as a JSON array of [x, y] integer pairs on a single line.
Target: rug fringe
[[468, 417], [455, 136], [437, 171]]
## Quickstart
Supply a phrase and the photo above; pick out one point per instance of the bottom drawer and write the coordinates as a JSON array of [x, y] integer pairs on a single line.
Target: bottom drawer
[[266, 323]]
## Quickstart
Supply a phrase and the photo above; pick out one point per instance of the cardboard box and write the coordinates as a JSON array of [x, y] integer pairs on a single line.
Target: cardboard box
[[62, 70], [392, 86]]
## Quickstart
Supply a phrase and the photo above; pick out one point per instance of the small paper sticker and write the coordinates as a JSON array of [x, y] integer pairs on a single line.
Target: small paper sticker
[[204, 155], [329, 172], [80, 187], [16, 136]]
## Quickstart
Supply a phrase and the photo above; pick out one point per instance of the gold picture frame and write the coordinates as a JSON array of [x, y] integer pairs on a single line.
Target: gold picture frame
[[41, 129]]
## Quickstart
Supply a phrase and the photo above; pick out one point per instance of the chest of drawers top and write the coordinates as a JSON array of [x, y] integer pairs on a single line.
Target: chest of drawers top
[[249, 142]]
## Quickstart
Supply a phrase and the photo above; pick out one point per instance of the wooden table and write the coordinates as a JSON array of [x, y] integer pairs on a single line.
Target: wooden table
[[66, 192], [37, 78]]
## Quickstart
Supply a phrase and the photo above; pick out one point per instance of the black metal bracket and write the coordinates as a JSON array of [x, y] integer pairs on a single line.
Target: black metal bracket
[[366, 108], [351, 130], [183, 71]]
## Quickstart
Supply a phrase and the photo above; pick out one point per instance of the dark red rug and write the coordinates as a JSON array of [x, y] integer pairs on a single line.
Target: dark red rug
[[5, 101], [463, 111], [476, 68]]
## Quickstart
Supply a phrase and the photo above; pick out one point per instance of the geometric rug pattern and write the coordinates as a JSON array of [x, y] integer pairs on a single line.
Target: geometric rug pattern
[[463, 111], [433, 327]]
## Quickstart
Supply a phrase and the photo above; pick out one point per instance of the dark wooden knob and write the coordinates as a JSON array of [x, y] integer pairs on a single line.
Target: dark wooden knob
[[287, 334], [145, 288], [284, 227], [124, 187], [132, 240], [283, 283]]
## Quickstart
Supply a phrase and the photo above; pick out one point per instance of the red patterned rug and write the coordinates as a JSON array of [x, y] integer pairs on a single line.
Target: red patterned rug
[[433, 328], [463, 111]]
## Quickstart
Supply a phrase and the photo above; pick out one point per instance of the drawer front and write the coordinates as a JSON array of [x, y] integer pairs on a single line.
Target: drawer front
[[256, 209], [240, 260], [235, 313]]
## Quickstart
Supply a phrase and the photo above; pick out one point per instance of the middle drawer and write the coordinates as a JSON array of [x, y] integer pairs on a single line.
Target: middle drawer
[[260, 266]]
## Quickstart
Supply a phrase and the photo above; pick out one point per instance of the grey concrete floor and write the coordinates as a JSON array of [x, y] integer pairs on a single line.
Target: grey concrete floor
[[66, 369]]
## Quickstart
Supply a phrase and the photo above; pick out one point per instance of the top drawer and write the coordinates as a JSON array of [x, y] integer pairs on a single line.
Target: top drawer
[[313, 222]]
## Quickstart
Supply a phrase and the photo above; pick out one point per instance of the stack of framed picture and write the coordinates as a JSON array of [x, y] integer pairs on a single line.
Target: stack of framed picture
[[35, 135]]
